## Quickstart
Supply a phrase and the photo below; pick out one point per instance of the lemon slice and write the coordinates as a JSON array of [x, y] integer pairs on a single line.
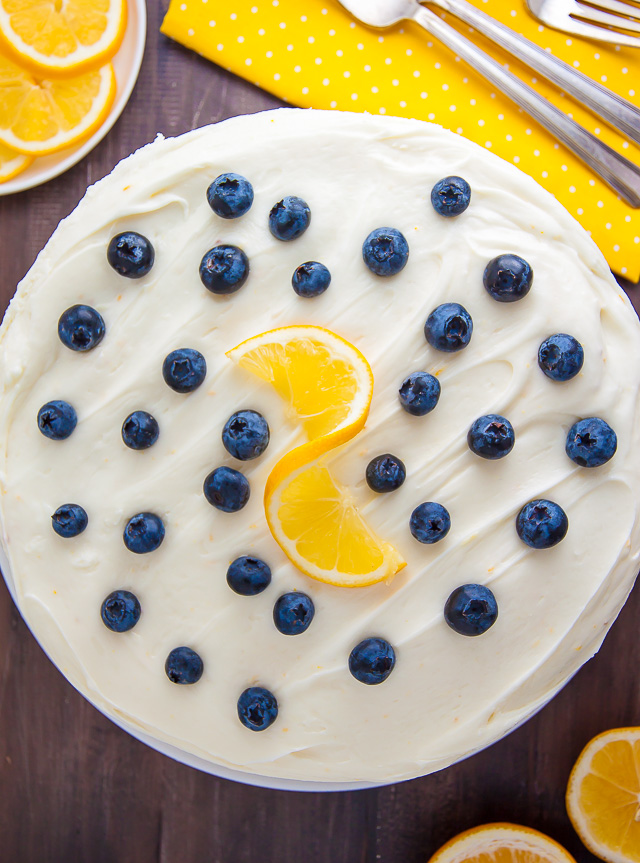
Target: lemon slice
[[12, 163], [603, 795], [39, 117], [502, 843], [316, 523], [327, 385], [62, 37], [326, 382]]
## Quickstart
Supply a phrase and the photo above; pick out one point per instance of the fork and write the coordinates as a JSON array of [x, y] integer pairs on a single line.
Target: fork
[[619, 173], [616, 111], [591, 21]]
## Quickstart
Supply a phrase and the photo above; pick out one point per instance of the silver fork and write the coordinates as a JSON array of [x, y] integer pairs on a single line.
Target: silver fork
[[619, 173], [591, 21], [613, 109]]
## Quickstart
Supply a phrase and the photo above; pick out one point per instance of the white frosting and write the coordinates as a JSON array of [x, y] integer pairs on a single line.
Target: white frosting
[[448, 695]]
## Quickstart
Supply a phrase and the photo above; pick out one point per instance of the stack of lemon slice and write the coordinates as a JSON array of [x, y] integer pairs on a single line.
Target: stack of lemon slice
[[57, 85]]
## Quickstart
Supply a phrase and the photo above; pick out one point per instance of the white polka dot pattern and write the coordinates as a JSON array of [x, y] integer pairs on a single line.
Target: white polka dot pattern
[[404, 73]]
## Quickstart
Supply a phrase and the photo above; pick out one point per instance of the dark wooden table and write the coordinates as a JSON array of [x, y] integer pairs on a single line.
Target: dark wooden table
[[76, 789]]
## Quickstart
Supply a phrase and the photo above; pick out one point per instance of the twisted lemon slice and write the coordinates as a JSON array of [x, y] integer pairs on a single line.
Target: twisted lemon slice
[[328, 385]]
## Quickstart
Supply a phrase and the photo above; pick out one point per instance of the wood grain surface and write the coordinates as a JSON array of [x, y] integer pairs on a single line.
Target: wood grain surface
[[76, 789]]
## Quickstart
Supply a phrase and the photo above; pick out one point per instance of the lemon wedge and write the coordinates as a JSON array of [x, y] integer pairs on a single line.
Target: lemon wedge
[[502, 843], [42, 116], [603, 796], [62, 37], [327, 385]]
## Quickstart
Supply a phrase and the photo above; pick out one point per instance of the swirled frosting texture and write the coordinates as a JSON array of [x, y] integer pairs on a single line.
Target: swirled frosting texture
[[448, 695]]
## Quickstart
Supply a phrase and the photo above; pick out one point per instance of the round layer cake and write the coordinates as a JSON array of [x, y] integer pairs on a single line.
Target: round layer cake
[[544, 600]]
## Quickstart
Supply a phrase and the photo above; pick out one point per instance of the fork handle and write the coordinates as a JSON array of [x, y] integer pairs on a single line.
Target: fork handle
[[622, 115], [619, 173]]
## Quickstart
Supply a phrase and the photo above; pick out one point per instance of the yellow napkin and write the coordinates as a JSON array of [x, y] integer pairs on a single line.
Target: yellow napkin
[[314, 54]]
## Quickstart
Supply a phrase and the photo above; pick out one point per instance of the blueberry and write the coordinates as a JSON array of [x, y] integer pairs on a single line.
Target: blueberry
[[81, 328], [372, 661], [385, 473], [257, 708], [311, 279], [224, 269], [542, 524], [57, 420], [184, 370], [248, 576], [227, 489], [245, 435], [131, 255], [471, 609], [230, 196], [449, 327], [419, 393], [184, 666], [508, 278], [140, 430], [430, 522], [560, 357], [143, 533], [385, 251], [120, 611], [293, 613], [289, 218], [69, 520], [451, 196], [491, 436], [591, 442]]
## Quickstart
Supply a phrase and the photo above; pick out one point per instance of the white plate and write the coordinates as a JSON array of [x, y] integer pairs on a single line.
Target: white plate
[[127, 66]]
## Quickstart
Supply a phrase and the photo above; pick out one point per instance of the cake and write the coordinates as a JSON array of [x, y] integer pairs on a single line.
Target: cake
[[505, 364]]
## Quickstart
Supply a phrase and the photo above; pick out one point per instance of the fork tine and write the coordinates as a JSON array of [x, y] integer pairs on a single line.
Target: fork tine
[[617, 6], [596, 16], [601, 34]]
